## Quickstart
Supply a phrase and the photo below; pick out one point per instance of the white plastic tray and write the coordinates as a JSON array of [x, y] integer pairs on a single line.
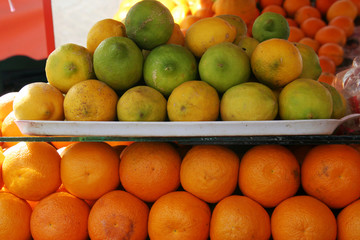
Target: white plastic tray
[[182, 129]]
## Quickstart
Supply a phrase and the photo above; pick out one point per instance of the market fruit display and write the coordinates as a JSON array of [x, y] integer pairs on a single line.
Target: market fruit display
[[178, 190], [222, 50]]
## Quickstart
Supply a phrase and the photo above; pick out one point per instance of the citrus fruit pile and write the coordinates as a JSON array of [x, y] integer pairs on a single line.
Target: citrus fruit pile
[[158, 190], [223, 67]]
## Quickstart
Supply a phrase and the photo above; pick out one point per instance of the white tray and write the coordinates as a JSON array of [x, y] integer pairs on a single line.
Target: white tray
[[182, 129]]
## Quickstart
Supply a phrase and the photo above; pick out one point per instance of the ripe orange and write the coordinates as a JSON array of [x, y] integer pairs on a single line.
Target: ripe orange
[[333, 51], [15, 216], [310, 42], [89, 169], [331, 173], [345, 23], [179, 215], [241, 218], [323, 5], [204, 12], [342, 8], [291, 6], [274, 8], [292, 22], [327, 77], [311, 26], [31, 170], [187, 22], [269, 174], [150, 169], [327, 65], [210, 172], [296, 34], [348, 221], [6, 104], [118, 215], [265, 3], [357, 3], [1, 163], [60, 216], [10, 129], [177, 36], [306, 12], [303, 217], [331, 34]]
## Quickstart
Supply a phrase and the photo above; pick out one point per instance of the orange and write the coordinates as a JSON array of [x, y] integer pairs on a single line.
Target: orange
[[306, 12], [331, 34], [187, 22], [311, 26], [357, 3], [179, 215], [333, 51], [292, 22], [296, 34], [342, 8], [204, 12], [31, 170], [6, 104], [207, 32], [265, 3], [150, 169], [310, 42], [1, 163], [118, 215], [10, 129], [323, 5], [177, 36], [327, 77], [274, 8], [303, 217], [276, 62], [345, 23], [90, 100], [291, 6], [90, 169], [239, 217], [327, 65], [269, 174], [60, 216], [15, 216], [210, 172], [348, 221], [331, 173], [103, 29]]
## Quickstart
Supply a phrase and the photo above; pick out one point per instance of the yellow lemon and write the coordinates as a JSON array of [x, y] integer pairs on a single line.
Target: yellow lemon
[[69, 64], [39, 101], [207, 32], [104, 29], [193, 101], [90, 100], [276, 62]]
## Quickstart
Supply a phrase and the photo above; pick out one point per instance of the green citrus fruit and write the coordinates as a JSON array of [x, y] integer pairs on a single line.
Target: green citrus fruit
[[169, 65], [141, 103], [270, 25], [118, 61], [305, 98], [149, 24], [250, 101], [224, 65]]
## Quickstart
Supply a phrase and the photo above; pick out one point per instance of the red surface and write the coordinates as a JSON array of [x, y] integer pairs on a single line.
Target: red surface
[[26, 31]]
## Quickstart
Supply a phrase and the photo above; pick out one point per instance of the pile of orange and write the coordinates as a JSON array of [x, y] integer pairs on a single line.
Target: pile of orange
[[155, 190]]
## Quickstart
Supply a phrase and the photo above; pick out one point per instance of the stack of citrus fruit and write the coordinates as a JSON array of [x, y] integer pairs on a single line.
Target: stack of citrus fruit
[[182, 60], [158, 190]]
